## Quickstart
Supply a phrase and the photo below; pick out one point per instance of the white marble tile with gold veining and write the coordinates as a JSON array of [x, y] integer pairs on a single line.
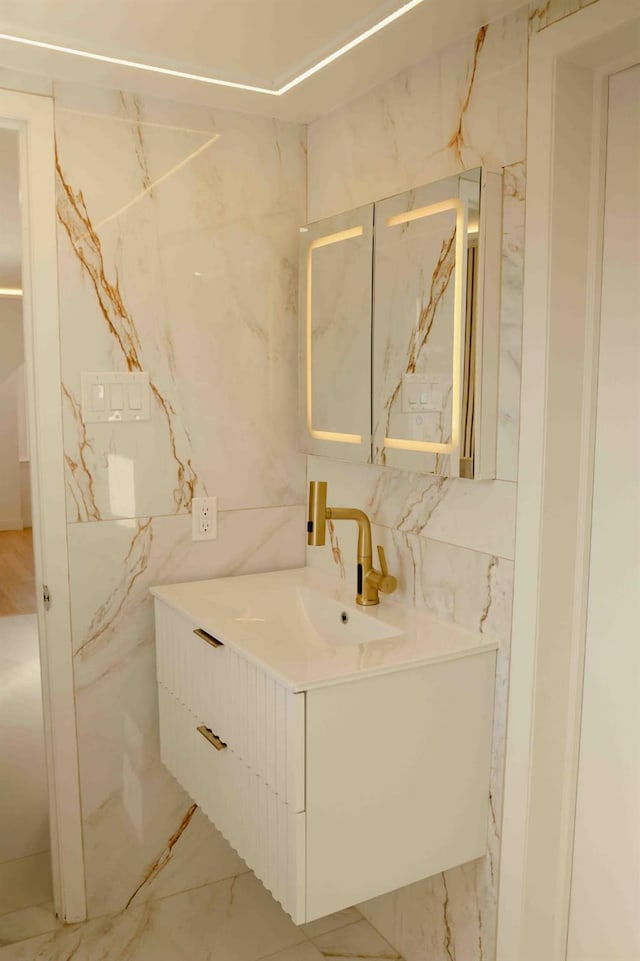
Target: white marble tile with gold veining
[[25, 882], [25, 82], [458, 109], [542, 13], [455, 584], [203, 856], [140, 829], [28, 923], [477, 515], [178, 256], [232, 920], [437, 919], [358, 940], [24, 802], [511, 320], [331, 922], [300, 952]]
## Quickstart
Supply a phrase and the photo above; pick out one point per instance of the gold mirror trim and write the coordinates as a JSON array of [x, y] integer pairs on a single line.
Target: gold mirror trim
[[325, 241], [460, 207]]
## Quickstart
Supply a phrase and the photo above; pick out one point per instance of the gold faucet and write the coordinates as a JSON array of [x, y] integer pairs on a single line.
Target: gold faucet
[[370, 581]]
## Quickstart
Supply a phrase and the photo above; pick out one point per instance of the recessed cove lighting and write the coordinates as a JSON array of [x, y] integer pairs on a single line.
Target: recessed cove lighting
[[10, 291], [215, 81], [376, 28], [118, 62]]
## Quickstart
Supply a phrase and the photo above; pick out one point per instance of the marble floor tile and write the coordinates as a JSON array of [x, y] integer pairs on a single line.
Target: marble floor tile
[[299, 952], [25, 883], [27, 923], [359, 940], [331, 922], [24, 803], [233, 920]]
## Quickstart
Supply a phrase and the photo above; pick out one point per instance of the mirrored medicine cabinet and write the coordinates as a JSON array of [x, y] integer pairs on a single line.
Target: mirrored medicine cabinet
[[399, 329]]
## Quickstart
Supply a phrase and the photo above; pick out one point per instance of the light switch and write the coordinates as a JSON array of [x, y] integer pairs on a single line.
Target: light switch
[[421, 393], [97, 397], [116, 397], [135, 401]]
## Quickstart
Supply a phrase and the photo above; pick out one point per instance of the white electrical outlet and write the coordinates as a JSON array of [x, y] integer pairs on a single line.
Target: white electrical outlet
[[204, 518]]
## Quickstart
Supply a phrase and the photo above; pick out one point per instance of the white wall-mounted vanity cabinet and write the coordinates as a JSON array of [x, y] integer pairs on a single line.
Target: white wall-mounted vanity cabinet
[[426, 307], [334, 790]]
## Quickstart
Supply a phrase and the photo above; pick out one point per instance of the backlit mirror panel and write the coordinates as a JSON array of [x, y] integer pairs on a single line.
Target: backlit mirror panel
[[335, 335], [400, 329], [422, 324]]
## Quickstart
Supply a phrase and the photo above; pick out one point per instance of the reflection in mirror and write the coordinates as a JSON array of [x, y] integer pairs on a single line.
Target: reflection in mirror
[[425, 272], [335, 335]]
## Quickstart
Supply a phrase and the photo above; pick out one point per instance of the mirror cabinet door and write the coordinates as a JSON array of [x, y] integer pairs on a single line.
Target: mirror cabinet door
[[399, 339], [425, 269], [335, 335]]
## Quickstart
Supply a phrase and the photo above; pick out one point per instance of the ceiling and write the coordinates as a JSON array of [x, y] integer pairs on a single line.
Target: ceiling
[[264, 43]]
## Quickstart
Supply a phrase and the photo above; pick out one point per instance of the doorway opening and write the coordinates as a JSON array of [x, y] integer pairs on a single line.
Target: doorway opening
[[41, 853], [26, 888]]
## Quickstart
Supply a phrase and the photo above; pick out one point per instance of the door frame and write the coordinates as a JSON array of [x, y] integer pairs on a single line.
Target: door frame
[[569, 66], [32, 117]]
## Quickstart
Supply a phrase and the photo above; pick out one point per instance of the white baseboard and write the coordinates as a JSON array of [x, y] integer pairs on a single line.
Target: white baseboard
[[11, 524]]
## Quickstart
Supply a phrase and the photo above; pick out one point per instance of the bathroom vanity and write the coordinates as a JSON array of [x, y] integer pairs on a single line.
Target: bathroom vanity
[[342, 752]]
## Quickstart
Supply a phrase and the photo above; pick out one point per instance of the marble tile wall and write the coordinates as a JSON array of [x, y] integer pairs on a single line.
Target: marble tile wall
[[545, 12], [451, 542], [177, 256]]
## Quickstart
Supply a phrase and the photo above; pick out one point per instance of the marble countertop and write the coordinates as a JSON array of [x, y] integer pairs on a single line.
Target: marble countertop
[[288, 623]]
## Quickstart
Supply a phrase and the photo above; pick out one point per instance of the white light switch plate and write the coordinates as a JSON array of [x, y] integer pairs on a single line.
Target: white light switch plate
[[112, 396], [421, 393]]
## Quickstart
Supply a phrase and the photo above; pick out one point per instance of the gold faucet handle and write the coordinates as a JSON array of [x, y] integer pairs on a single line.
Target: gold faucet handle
[[386, 582]]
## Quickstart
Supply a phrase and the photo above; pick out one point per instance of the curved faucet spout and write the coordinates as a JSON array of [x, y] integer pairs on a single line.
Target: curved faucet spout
[[370, 581]]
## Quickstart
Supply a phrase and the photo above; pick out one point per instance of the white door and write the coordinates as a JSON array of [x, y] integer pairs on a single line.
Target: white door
[[604, 921]]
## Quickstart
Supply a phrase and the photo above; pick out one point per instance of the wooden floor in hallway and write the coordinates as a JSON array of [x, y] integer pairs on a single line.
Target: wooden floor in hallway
[[17, 584]]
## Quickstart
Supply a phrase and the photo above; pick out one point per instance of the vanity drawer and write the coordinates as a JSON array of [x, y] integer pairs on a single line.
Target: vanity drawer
[[260, 825], [261, 719]]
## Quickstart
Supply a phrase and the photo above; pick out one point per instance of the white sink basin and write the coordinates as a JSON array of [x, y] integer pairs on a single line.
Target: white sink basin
[[305, 628], [306, 613]]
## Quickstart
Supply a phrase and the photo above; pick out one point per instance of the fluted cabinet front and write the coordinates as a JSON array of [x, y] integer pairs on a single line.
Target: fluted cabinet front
[[325, 791]]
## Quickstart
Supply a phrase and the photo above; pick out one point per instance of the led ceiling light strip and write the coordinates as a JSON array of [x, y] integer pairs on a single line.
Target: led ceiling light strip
[[103, 58], [10, 291], [200, 78], [376, 28]]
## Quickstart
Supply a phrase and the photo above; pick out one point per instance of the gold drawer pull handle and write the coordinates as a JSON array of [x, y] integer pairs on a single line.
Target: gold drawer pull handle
[[209, 638], [212, 738]]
